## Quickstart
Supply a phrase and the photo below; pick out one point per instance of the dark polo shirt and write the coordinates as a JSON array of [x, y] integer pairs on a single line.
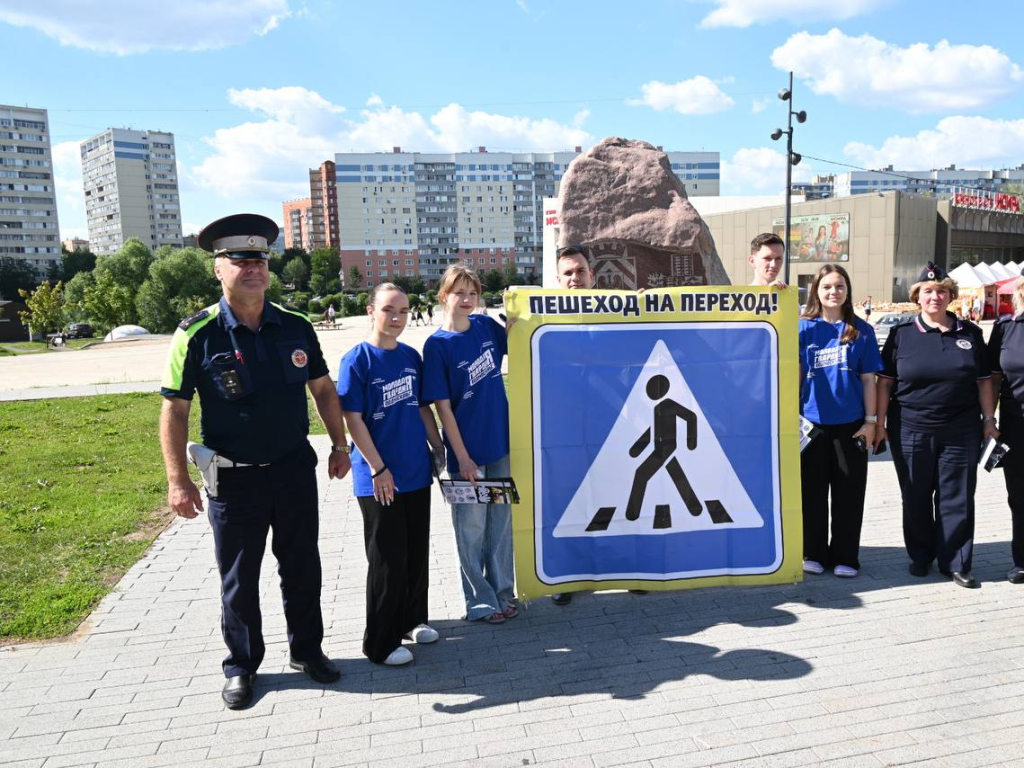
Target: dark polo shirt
[[936, 375], [1006, 354]]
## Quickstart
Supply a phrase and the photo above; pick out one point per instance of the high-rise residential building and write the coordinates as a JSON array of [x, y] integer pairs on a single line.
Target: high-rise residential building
[[131, 189], [943, 182], [410, 213], [28, 203], [298, 223]]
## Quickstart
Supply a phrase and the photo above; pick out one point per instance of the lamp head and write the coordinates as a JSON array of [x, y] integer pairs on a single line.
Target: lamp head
[[795, 158], [784, 94], [801, 116], [776, 134]]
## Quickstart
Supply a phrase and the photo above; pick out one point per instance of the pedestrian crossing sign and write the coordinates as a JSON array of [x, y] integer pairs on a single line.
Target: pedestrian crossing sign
[[654, 439]]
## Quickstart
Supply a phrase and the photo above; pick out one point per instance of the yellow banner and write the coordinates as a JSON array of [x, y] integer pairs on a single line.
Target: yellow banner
[[655, 438]]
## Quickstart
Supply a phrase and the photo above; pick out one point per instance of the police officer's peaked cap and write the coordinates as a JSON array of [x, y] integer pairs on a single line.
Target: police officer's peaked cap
[[241, 236], [931, 274]]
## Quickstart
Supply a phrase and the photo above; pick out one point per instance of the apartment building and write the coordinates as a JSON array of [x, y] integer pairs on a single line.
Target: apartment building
[[28, 202], [943, 182], [131, 189], [411, 213], [297, 216]]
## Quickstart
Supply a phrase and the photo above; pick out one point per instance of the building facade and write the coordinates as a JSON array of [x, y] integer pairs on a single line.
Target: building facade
[[131, 189], [298, 223], [28, 203], [413, 214], [940, 183]]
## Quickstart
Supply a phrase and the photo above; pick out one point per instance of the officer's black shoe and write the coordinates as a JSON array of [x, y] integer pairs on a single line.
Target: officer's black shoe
[[321, 669], [919, 569], [561, 598], [1016, 575], [960, 578], [237, 693]]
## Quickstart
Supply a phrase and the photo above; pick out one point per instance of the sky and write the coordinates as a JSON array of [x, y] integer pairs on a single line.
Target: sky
[[258, 91]]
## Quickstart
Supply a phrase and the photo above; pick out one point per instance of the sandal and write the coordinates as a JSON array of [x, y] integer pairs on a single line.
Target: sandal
[[495, 618], [510, 611]]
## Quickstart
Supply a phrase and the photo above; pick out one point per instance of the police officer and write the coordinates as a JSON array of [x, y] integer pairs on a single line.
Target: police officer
[[935, 388], [1006, 354], [251, 361]]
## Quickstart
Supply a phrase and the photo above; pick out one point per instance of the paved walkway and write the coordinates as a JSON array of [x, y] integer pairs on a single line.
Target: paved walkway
[[884, 669]]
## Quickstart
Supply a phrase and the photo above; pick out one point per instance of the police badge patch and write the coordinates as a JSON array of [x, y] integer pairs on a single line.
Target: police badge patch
[[299, 358]]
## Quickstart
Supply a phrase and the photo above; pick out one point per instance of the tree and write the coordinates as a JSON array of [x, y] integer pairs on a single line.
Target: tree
[[129, 267], [493, 281], [73, 262], [15, 275], [107, 303], [296, 272], [180, 283], [325, 262], [355, 278], [510, 275], [276, 289], [411, 285], [45, 308]]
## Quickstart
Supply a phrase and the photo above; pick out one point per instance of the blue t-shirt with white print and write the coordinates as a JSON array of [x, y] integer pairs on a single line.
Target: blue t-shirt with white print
[[831, 391], [384, 386], [465, 368]]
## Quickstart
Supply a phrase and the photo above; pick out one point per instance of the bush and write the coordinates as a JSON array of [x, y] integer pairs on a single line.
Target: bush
[[315, 306], [299, 300]]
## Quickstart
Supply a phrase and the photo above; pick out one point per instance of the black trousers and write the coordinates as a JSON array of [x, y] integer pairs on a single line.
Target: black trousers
[[250, 502], [938, 473], [1013, 475], [832, 463], [397, 539]]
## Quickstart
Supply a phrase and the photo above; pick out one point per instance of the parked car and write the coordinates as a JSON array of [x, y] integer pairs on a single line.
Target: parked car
[[887, 322], [80, 331]]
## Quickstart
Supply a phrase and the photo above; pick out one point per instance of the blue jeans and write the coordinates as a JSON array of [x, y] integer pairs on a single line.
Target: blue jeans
[[483, 537]]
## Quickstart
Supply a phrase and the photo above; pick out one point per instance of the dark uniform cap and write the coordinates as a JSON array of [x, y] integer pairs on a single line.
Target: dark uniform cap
[[241, 236], [931, 274]]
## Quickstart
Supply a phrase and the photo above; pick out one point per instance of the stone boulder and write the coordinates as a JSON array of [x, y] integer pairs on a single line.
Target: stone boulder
[[622, 200]]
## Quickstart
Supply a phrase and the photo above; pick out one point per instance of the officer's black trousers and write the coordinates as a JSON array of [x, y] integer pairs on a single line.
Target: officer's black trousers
[[397, 539], [1013, 474], [938, 472], [833, 462], [250, 502]]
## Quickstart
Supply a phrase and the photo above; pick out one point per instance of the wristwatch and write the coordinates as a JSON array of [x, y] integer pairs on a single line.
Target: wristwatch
[[870, 419], [343, 448]]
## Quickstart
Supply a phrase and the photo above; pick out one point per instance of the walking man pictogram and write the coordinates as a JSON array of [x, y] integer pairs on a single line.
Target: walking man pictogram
[[665, 443]]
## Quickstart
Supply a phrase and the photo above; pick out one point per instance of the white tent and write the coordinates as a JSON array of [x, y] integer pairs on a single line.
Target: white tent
[[988, 277], [1002, 271], [125, 332], [966, 277]]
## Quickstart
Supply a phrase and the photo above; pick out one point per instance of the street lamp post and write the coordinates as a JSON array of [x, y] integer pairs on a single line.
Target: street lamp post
[[792, 158]]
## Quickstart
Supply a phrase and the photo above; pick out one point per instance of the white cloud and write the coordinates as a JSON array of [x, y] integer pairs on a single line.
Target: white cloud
[[759, 105], [123, 27], [959, 140], [871, 72], [268, 159], [67, 180], [374, 101], [696, 96], [759, 170], [744, 13]]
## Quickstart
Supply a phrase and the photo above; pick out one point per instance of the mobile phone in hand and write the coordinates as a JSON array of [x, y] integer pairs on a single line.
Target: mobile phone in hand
[[880, 449]]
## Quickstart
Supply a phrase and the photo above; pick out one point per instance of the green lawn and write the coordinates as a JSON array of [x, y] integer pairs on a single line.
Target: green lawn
[[35, 347], [82, 489], [82, 496]]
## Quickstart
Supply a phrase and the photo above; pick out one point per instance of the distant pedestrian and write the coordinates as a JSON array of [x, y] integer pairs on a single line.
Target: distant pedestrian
[[867, 308], [330, 314], [430, 312]]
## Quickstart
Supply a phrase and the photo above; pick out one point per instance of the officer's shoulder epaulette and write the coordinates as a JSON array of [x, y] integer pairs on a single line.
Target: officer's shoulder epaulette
[[202, 314], [1004, 318]]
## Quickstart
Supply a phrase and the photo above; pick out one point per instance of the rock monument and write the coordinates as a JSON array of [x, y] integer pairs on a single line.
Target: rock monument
[[622, 200]]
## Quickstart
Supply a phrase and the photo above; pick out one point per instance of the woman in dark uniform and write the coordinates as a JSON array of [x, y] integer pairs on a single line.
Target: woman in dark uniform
[[1006, 355], [935, 389]]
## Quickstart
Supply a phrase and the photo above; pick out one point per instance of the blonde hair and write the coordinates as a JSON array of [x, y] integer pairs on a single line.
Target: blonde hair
[[947, 282], [454, 275], [372, 301], [1018, 295]]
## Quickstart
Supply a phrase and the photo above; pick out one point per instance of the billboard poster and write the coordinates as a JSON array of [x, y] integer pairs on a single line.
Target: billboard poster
[[820, 238], [654, 438]]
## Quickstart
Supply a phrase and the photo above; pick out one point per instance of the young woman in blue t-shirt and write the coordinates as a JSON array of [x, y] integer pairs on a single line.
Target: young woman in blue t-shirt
[[462, 376], [838, 360], [380, 385]]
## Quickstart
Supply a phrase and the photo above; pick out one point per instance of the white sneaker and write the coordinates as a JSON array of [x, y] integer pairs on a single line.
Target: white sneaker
[[423, 635], [813, 566], [844, 571], [398, 657]]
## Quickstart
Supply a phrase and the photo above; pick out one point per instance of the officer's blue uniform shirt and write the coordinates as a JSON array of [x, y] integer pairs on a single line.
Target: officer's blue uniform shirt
[[465, 368], [1006, 355], [936, 374], [252, 385], [832, 392], [383, 385]]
